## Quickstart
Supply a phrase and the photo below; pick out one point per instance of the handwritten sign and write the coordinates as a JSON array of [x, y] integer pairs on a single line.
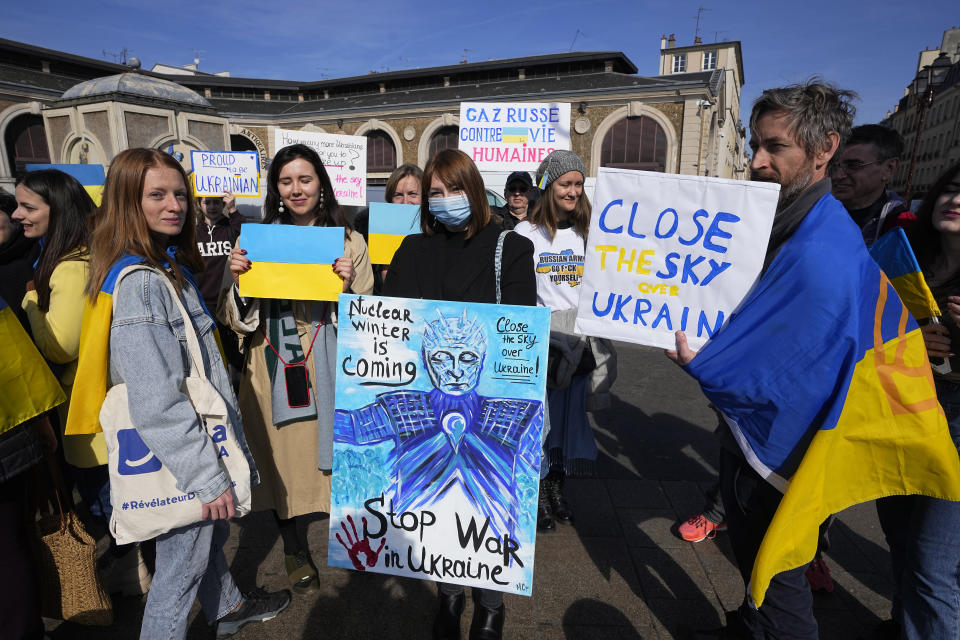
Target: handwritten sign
[[668, 252], [291, 262], [217, 171], [436, 456], [513, 136], [389, 225], [344, 158]]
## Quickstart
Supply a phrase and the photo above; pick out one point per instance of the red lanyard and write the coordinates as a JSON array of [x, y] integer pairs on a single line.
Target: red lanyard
[[309, 351]]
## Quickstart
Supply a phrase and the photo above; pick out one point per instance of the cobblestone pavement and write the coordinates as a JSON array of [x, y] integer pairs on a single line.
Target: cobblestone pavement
[[618, 573]]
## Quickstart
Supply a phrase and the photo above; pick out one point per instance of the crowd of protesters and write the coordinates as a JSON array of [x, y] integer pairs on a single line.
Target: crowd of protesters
[[60, 252]]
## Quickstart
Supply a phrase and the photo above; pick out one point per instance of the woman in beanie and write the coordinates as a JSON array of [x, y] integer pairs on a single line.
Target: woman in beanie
[[558, 229]]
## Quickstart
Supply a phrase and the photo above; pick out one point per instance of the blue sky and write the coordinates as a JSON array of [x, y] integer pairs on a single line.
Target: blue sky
[[870, 48]]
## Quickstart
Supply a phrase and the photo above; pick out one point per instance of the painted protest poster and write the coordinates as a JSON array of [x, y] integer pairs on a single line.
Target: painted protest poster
[[91, 176], [344, 158], [217, 171], [668, 252], [436, 456], [513, 136], [389, 225], [291, 262]]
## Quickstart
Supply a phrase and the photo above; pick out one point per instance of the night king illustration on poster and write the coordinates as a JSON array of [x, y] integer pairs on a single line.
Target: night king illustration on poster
[[436, 458]]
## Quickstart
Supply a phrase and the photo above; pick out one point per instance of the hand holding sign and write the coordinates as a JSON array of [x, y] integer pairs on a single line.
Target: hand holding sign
[[670, 252], [290, 262]]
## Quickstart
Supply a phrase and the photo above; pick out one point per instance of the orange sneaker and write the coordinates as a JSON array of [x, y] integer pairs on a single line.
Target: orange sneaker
[[699, 528], [818, 575]]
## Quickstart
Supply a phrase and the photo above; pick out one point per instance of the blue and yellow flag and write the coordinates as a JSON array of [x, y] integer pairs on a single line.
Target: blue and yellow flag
[[824, 380], [389, 225], [895, 256], [27, 386], [290, 262], [93, 365], [91, 176]]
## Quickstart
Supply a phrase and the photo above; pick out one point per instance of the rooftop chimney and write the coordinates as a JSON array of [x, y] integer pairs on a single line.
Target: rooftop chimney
[[697, 40], [671, 41], [663, 41]]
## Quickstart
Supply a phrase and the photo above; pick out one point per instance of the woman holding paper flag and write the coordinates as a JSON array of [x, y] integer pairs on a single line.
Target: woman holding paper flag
[[288, 380], [462, 255]]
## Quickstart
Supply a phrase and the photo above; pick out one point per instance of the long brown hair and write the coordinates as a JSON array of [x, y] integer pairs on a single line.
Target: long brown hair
[[546, 214], [924, 237], [71, 210], [455, 169], [121, 226]]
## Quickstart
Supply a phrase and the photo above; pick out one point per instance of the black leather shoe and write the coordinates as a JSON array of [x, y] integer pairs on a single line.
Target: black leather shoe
[[446, 626], [558, 504], [545, 520], [487, 623]]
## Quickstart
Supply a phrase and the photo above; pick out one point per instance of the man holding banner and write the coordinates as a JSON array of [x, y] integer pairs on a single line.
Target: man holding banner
[[820, 375]]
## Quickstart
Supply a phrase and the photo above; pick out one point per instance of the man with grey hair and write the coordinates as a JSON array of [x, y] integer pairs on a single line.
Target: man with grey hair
[[868, 161], [795, 134]]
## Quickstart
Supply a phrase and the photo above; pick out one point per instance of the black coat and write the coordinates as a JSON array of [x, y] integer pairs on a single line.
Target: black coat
[[16, 269], [446, 266]]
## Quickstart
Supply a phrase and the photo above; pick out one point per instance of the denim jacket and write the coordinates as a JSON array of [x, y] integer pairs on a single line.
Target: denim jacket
[[148, 352]]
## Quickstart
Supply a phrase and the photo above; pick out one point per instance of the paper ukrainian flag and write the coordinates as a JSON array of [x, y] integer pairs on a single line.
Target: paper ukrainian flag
[[518, 135], [894, 255], [291, 262], [28, 386], [389, 225], [91, 176]]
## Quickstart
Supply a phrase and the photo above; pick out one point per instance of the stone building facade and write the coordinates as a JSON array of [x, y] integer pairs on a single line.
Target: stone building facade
[[57, 107]]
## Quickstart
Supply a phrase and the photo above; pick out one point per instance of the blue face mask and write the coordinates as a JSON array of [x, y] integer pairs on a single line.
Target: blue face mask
[[453, 211]]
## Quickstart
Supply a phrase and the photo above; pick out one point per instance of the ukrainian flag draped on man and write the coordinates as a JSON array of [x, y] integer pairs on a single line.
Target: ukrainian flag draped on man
[[824, 380]]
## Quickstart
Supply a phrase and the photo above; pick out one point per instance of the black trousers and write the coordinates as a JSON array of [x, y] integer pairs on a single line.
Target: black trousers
[[19, 588], [750, 501]]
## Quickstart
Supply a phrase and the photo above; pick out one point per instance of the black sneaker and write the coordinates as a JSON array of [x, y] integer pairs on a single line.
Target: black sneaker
[[258, 606]]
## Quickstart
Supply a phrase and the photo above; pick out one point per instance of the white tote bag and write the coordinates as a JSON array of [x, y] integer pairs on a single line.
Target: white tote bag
[[146, 500]]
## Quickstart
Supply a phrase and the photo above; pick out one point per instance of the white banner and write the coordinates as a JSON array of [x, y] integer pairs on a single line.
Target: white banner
[[217, 171], [513, 136], [669, 252], [344, 158]]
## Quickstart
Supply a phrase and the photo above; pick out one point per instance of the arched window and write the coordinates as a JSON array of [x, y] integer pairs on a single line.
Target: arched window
[[444, 138], [635, 143], [26, 142], [241, 143], [381, 154]]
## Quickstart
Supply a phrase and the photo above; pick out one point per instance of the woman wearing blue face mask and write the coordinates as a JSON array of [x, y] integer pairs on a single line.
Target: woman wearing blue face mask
[[453, 259]]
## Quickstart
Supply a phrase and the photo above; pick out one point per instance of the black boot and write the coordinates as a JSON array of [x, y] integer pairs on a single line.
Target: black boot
[[487, 623], [446, 626], [545, 520], [558, 504]]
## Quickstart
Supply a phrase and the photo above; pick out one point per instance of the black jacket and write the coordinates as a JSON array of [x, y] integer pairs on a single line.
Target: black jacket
[[446, 266], [16, 269]]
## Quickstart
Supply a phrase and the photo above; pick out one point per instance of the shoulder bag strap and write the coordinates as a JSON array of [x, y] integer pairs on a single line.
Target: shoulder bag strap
[[498, 260], [193, 343]]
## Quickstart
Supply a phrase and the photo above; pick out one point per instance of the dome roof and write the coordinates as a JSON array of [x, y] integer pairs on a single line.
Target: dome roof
[[136, 85]]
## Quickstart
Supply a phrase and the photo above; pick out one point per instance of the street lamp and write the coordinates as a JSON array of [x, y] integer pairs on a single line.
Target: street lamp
[[928, 80]]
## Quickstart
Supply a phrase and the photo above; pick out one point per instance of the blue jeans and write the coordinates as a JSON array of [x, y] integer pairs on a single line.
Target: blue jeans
[[930, 597], [190, 565]]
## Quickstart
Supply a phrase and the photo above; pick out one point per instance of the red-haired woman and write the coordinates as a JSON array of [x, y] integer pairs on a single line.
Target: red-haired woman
[[147, 217]]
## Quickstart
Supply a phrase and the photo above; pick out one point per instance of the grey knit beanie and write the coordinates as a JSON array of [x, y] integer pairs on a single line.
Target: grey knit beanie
[[556, 164]]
